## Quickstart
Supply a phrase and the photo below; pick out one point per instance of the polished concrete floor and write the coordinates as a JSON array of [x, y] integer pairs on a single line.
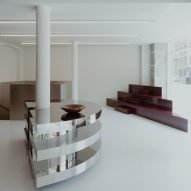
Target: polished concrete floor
[[137, 155]]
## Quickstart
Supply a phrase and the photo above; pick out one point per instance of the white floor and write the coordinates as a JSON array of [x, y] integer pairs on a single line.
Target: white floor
[[137, 155]]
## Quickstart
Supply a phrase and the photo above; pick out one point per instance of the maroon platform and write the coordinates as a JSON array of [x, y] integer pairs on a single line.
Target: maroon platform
[[146, 101]]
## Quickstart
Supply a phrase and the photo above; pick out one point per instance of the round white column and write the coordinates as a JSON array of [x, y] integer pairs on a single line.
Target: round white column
[[42, 57], [75, 72]]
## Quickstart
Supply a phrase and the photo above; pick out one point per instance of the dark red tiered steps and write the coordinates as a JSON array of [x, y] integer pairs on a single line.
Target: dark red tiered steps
[[126, 110], [146, 101]]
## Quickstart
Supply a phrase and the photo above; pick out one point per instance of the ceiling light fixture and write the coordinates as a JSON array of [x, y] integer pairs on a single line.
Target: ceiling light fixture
[[80, 21], [102, 21], [70, 35], [80, 43], [17, 35], [54, 43], [103, 43], [93, 35], [17, 22]]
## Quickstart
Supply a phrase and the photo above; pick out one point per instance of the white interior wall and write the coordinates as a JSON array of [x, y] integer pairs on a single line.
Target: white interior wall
[[170, 71], [103, 70], [159, 66], [145, 64], [10, 63], [61, 59], [181, 100], [29, 63]]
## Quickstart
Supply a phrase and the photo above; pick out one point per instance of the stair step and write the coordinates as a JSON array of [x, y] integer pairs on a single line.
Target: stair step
[[126, 110]]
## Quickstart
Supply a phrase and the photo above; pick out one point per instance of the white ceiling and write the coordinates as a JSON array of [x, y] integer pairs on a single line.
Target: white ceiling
[[34, 2], [167, 21]]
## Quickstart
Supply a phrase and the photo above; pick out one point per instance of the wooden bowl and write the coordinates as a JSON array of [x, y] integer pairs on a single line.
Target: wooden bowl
[[71, 116], [73, 108]]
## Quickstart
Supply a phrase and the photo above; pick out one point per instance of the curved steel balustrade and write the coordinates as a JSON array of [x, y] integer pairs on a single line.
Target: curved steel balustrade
[[59, 146]]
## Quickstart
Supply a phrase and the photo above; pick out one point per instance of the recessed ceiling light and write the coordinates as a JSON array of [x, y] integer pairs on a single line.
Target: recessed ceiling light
[[103, 43], [54, 43], [93, 35], [28, 43], [80, 43], [80, 21], [61, 43], [70, 35], [102, 21], [16, 22], [17, 35]]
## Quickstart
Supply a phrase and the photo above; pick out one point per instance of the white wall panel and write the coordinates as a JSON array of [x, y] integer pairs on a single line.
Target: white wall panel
[[9, 63], [103, 70], [61, 59]]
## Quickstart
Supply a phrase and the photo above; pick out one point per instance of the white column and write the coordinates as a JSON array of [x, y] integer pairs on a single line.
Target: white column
[[75, 72], [42, 57]]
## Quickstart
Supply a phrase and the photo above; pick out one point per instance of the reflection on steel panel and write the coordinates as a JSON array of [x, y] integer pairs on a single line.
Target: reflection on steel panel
[[60, 149]]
